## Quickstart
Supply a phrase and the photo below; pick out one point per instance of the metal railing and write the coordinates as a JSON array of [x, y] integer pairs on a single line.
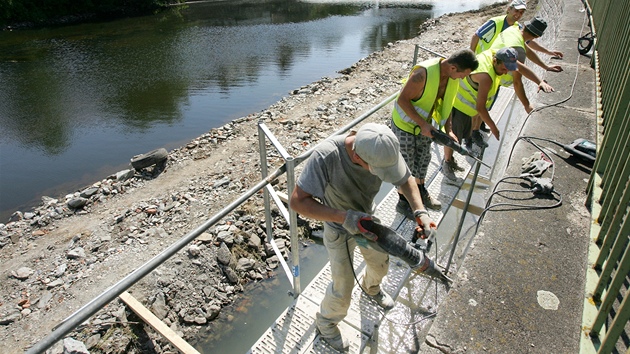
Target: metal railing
[[607, 303], [293, 273]]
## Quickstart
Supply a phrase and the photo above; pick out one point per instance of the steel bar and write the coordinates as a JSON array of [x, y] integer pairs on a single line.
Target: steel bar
[[463, 217]]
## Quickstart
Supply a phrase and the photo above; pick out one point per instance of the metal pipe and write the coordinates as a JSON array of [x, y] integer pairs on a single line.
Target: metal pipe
[[463, 217], [262, 149], [111, 293], [272, 138], [99, 302], [430, 51], [415, 56], [299, 159], [293, 231]]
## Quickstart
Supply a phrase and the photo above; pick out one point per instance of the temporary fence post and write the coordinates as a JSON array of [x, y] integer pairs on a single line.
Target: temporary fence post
[[293, 230]]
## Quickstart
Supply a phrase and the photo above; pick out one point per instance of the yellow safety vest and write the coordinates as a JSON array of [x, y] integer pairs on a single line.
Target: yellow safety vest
[[466, 101], [485, 43], [441, 107], [511, 37]]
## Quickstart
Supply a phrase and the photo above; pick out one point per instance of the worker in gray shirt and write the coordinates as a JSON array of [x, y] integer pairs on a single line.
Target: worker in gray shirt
[[338, 185]]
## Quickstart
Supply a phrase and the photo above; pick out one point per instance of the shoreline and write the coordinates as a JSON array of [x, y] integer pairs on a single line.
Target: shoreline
[[138, 217]]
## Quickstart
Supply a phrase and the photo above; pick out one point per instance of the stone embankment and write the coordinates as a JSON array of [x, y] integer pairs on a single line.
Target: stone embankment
[[67, 251]]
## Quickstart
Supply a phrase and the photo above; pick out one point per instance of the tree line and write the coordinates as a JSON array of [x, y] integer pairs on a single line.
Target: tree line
[[41, 12]]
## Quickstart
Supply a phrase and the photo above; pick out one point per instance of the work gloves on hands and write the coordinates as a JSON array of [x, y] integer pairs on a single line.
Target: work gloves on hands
[[426, 227], [352, 223]]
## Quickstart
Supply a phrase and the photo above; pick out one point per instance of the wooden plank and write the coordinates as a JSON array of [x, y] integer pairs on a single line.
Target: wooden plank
[[473, 209], [157, 324], [283, 196]]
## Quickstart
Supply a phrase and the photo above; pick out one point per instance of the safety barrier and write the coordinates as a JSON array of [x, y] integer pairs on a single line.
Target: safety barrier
[[607, 304], [91, 308]]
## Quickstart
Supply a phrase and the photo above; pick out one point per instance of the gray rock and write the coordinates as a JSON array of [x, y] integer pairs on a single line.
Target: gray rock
[[22, 273], [212, 311], [88, 192], [76, 253], [223, 181], [159, 306], [273, 262], [124, 175], [73, 346], [226, 236], [208, 291], [205, 237], [194, 251], [55, 283], [92, 341], [60, 270], [231, 275], [245, 264], [10, 318], [43, 301], [224, 256], [77, 203], [254, 242], [17, 216]]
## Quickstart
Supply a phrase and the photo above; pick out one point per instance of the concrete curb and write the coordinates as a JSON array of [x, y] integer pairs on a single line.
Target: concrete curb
[[520, 288]]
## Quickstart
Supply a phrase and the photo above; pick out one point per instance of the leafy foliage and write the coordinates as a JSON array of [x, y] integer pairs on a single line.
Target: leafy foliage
[[42, 11]]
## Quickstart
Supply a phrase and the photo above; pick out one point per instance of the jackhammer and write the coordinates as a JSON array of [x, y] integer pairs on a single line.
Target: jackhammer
[[443, 139], [392, 243]]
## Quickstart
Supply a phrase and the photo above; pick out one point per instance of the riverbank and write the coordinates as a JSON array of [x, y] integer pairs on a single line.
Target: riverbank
[[55, 259]]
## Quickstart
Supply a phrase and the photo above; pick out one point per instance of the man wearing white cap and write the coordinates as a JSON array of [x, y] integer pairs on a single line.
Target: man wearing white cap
[[338, 185], [486, 35]]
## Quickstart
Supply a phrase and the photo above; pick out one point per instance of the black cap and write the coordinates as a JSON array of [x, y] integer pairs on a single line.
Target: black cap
[[536, 26]]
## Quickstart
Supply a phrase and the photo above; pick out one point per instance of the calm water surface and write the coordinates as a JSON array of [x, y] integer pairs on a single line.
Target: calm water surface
[[77, 102]]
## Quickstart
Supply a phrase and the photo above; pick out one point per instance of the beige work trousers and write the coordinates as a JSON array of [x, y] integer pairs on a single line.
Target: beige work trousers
[[340, 246]]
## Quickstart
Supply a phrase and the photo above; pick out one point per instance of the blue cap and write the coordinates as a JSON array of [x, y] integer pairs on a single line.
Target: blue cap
[[508, 56]]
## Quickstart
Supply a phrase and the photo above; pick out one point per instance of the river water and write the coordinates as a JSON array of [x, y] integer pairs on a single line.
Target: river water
[[77, 102]]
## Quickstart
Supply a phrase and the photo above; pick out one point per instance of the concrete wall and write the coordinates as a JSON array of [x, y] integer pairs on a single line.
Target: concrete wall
[[552, 11]]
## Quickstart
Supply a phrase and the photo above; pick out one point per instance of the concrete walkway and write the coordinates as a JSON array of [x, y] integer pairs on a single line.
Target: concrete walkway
[[520, 288]]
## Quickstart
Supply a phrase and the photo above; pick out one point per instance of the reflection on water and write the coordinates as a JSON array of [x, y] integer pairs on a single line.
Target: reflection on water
[[77, 102]]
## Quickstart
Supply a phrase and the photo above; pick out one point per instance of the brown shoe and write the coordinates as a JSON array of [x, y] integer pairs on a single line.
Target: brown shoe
[[428, 200]]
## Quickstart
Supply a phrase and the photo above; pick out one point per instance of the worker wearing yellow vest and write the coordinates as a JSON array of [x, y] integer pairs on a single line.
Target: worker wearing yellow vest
[[476, 94], [426, 97], [485, 35], [483, 39]]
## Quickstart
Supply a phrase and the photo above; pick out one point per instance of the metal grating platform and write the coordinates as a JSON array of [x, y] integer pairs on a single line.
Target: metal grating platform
[[417, 297]]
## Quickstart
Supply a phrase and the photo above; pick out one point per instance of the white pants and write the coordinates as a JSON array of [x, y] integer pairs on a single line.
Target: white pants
[[334, 307]]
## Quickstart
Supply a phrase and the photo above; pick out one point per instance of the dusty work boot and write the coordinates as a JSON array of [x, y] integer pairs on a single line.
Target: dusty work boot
[[403, 207], [428, 200], [449, 172], [477, 138], [384, 300], [455, 166], [335, 340]]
